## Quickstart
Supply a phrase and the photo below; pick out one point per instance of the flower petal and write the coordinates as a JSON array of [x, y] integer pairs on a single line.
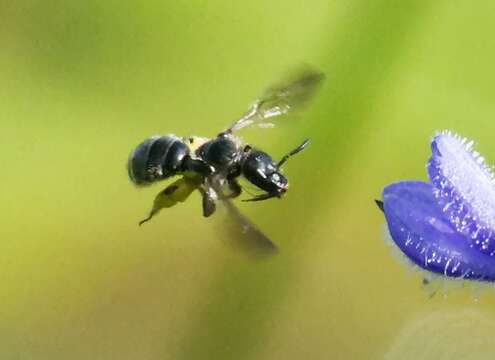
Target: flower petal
[[424, 234], [465, 189]]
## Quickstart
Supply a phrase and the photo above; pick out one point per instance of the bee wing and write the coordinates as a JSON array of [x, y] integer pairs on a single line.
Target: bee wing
[[285, 97], [244, 234]]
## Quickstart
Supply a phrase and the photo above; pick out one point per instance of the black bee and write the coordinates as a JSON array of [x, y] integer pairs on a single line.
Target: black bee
[[213, 166]]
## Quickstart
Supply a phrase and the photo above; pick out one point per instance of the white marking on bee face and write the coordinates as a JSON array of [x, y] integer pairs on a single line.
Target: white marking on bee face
[[262, 174]]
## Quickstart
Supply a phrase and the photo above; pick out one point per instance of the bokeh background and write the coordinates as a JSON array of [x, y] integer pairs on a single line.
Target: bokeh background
[[82, 82]]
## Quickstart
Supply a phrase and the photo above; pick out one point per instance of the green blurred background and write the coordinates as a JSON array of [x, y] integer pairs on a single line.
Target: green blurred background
[[83, 82]]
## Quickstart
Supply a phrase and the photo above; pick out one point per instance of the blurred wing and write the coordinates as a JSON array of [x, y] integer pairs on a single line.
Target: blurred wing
[[244, 234], [287, 96]]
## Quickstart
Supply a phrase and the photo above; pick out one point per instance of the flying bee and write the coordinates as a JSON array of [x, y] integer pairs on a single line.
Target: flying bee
[[213, 166]]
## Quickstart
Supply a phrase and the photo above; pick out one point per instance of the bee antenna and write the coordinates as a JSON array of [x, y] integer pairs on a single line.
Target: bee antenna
[[293, 152]]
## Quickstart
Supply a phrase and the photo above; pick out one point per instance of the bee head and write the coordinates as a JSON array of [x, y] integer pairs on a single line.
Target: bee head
[[260, 169]]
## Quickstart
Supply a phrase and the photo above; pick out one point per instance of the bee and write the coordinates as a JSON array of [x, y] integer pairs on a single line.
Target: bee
[[213, 166]]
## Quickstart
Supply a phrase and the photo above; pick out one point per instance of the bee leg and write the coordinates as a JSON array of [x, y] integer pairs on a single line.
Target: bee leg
[[235, 189], [168, 191], [197, 166], [173, 194], [152, 213], [209, 206], [209, 200]]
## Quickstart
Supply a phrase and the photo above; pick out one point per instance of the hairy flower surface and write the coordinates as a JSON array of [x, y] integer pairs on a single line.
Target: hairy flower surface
[[447, 226]]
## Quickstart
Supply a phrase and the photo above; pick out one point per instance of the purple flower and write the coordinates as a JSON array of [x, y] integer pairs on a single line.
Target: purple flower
[[446, 226]]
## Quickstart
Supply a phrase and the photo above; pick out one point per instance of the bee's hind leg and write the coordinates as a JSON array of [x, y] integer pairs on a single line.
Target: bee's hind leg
[[152, 213], [173, 194]]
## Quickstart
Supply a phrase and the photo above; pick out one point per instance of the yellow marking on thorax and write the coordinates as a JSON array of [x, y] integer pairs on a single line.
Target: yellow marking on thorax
[[194, 142]]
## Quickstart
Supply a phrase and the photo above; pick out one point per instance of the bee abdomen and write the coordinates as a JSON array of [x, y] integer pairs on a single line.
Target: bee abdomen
[[156, 158]]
